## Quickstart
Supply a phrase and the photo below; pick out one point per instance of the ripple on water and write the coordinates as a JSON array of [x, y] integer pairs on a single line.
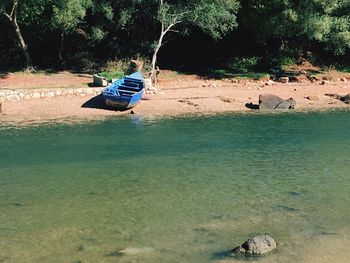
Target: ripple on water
[[187, 189]]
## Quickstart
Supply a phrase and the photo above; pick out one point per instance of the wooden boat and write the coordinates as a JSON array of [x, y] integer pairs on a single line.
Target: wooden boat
[[126, 92]]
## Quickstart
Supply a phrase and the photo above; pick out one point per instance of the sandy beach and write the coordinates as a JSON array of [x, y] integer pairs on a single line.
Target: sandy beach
[[177, 96]]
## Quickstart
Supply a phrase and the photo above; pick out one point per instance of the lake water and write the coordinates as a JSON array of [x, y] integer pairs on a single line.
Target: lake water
[[181, 189]]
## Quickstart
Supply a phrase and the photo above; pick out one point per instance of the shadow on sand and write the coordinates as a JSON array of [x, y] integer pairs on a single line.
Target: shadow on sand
[[98, 102], [252, 106]]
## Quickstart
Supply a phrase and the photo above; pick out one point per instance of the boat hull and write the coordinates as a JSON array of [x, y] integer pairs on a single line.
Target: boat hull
[[124, 102], [125, 93]]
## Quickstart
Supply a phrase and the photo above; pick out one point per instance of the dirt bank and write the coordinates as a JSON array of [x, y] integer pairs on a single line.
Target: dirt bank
[[178, 96]]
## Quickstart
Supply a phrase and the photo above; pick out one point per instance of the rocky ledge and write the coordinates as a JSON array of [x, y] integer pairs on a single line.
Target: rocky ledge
[[27, 94]]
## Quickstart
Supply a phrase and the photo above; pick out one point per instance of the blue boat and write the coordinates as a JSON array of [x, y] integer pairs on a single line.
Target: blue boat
[[126, 92]]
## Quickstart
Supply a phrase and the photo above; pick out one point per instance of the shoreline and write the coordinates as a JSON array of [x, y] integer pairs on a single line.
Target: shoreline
[[175, 98]]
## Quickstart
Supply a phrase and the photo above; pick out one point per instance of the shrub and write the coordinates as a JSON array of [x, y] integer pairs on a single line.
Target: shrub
[[114, 69], [243, 65]]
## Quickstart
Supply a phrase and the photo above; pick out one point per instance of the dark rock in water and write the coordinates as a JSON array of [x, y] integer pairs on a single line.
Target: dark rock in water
[[273, 102], [345, 98], [293, 193], [81, 248], [258, 245]]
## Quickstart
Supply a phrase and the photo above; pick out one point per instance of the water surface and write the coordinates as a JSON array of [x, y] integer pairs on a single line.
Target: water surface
[[179, 189]]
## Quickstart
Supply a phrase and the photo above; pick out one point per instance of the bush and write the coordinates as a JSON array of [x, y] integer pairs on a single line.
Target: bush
[[81, 61], [243, 65], [114, 70]]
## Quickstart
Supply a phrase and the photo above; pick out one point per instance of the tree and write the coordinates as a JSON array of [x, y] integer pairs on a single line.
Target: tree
[[299, 25], [215, 17], [9, 8], [67, 14]]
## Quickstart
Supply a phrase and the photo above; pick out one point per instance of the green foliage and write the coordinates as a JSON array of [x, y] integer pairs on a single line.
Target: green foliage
[[254, 76], [114, 70], [277, 31], [243, 65], [216, 17], [97, 34], [67, 14]]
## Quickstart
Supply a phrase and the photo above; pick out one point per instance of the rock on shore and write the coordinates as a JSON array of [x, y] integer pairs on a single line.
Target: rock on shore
[[273, 102]]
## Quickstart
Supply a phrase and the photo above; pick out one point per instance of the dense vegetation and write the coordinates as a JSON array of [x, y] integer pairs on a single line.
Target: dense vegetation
[[243, 35]]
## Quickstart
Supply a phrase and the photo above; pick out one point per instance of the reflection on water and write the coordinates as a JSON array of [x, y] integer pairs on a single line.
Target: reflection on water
[[176, 190]]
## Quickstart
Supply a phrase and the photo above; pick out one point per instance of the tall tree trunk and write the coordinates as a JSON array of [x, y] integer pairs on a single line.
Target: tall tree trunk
[[22, 44], [12, 17], [165, 28], [60, 50], [154, 57]]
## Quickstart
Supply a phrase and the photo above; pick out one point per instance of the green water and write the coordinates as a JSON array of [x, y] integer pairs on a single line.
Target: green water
[[179, 189]]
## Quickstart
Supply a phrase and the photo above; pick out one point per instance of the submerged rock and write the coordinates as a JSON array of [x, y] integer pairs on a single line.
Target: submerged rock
[[258, 245], [273, 102]]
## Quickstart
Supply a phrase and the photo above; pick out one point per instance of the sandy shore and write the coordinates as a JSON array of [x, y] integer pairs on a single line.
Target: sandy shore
[[179, 97]]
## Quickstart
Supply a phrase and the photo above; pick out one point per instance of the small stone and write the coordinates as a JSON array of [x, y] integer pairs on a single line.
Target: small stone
[[323, 82], [312, 98], [284, 79], [269, 82], [35, 95], [89, 91], [260, 88], [13, 98], [80, 91], [58, 92], [50, 94], [344, 80]]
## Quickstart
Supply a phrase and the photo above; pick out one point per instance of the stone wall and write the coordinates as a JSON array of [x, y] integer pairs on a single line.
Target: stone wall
[[28, 94]]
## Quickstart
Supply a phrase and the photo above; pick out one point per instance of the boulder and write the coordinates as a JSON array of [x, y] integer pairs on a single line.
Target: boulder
[[273, 102], [345, 98], [284, 79], [100, 81], [134, 66], [258, 245]]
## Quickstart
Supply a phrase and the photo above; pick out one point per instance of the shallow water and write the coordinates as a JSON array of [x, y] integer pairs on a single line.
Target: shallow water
[[177, 189]]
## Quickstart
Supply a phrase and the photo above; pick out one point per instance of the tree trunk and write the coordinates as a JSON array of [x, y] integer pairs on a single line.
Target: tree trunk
[[60, 50], [154, 58], [22, 44], [12, 17]]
